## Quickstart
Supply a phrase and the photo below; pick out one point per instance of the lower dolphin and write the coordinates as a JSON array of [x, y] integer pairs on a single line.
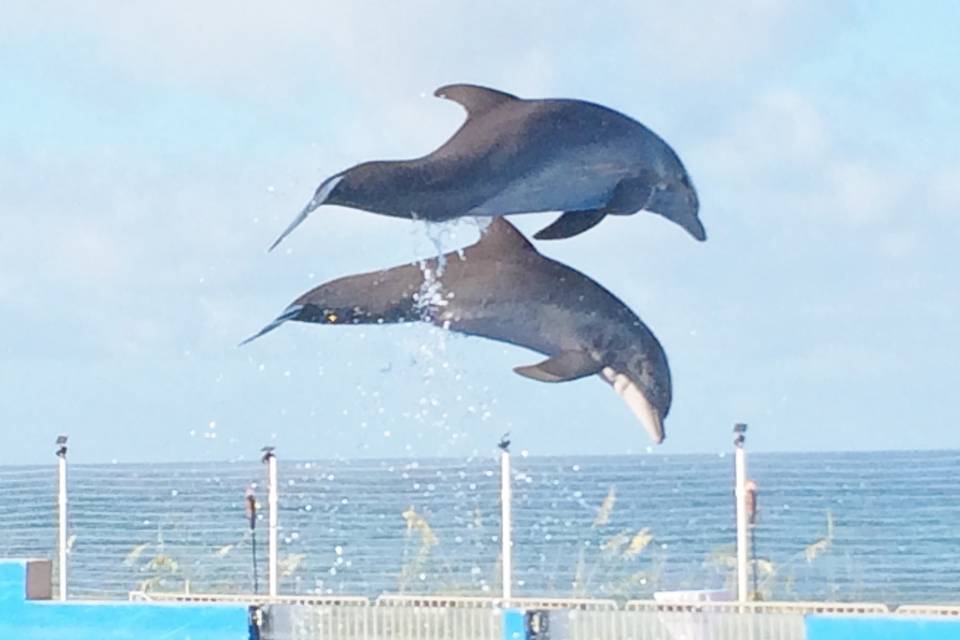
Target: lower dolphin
[[503, 289]]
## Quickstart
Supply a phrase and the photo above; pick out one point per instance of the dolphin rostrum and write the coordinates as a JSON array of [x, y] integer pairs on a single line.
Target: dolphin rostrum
[[503, 289], [520, 156]]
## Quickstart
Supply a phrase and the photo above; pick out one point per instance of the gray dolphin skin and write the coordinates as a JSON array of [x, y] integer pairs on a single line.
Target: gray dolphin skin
[[522, 156], [503, 289]]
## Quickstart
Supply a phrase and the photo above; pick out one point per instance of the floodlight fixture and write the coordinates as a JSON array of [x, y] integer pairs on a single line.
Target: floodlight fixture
[[61, 446]]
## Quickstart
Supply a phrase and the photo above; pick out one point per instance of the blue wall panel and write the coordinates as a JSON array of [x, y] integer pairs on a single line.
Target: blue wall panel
[[21, 619], [880, 628], [513, 625]]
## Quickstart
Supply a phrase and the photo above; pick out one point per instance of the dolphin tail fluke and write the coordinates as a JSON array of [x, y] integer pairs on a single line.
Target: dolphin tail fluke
[[565, 366], [322, 195], [293, 225], [570, 224], [291, 312]]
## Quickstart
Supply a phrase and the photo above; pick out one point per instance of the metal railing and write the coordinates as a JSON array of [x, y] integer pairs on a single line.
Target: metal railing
[[251, 599], [479, 619], [461, 602], [931, 610], [305, 622], [411, 617], [788, 606]]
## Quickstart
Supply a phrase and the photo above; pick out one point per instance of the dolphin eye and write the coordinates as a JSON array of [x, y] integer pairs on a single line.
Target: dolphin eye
[[331, 317]]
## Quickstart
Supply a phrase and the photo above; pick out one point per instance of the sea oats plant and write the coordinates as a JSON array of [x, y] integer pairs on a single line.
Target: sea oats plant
[[774, 579], [609, 569]]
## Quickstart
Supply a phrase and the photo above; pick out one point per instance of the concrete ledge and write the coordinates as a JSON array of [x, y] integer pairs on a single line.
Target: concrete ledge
[[24, 618], [880, 628]]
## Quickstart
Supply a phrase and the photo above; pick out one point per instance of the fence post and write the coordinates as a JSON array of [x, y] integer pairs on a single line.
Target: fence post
[[506, 533], [270, 459], [740, 494], [62, 514]]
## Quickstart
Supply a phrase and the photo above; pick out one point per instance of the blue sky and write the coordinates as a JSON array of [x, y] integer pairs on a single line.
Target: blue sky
[[149, 153]]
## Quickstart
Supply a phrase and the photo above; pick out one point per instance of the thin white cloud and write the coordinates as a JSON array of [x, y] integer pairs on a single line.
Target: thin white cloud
[[382, 49], [944, 193]]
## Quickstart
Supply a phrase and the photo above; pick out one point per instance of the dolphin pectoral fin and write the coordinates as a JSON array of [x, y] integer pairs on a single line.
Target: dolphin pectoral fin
[[631, 195], [565, 366], [570, 224]]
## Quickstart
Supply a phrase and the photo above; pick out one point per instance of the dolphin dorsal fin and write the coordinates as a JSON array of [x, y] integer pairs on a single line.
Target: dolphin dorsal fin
[[475, 99], [499, 240]]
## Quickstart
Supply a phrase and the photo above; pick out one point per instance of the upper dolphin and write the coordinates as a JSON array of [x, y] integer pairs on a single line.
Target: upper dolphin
[[513, 155], [502, 288]]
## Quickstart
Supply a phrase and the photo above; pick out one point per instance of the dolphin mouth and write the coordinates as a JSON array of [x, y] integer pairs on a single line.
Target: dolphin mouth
[[645, 412], [681, 205], [695, 228]]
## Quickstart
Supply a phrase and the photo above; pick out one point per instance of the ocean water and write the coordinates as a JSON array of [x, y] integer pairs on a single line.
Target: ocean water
[[839, 526]]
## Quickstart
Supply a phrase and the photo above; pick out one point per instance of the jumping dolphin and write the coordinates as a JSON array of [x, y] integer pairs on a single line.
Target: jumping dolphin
[[519, 156], [503, 289]]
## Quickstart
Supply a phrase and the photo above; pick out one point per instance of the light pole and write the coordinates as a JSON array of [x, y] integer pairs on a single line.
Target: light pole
[[270, 459], [506, 536], [62, 513], [740, 494]]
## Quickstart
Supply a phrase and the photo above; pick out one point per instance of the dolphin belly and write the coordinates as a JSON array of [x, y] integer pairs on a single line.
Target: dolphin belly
[[574, 181]]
